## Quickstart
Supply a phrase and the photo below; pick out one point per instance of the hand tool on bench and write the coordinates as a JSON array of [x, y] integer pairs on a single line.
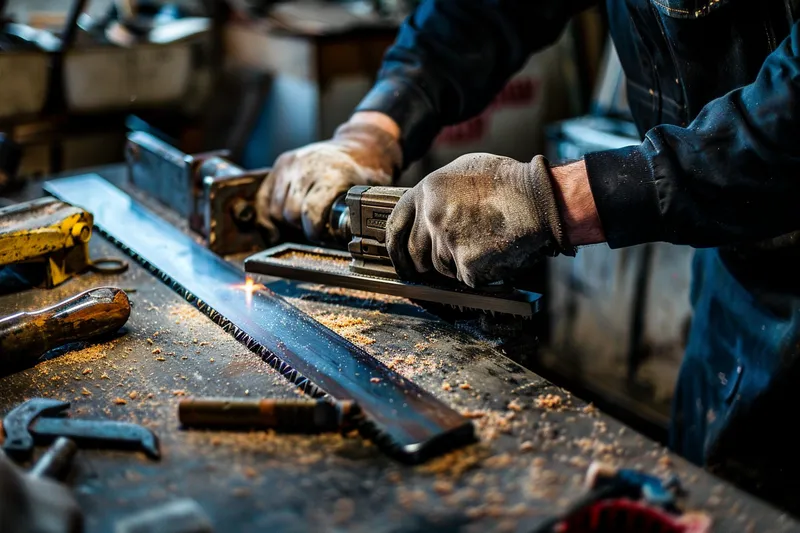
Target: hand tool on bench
[[404, 419], [627, 501], [26, 336], [291, 416], [36, 422], [46, 242], [57, 460], [217, 197]]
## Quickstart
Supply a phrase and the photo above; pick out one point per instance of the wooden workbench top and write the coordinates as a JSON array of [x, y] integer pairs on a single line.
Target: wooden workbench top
[[536, 440]]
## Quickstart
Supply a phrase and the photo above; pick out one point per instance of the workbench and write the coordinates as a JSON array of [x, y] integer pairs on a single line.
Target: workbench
[[536, 440]]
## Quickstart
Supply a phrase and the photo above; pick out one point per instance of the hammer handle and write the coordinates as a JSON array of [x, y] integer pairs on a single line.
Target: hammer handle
[[24, 337]]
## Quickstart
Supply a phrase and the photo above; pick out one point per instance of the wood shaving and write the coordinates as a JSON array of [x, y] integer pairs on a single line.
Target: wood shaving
[[133, 395], [456, 463], [347, 326], [499, 461], [446, 387], [549, 401], [465, 386], [119, 401], [87, 371], [441, 486], [89, 354]]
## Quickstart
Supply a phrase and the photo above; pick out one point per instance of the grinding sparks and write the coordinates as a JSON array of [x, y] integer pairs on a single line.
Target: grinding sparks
[[249, 287]]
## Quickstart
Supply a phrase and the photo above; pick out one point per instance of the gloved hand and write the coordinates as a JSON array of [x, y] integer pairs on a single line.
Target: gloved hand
[[305, 182], [481, 219], [33, 505]]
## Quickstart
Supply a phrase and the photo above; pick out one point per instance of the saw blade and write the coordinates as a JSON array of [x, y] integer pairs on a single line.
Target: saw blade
[[330, 267], [404, 419]]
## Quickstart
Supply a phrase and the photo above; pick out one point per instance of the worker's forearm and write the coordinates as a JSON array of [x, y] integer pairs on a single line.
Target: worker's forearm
[[578, 211], [378, 119]]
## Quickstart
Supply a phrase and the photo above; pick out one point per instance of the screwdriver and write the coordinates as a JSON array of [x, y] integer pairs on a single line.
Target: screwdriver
[[26, 336]]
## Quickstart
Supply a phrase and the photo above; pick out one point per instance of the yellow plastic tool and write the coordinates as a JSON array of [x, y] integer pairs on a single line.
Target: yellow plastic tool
[[48, 238]]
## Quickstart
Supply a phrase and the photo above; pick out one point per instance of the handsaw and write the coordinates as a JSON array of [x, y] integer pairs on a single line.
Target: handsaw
[[400, 417]]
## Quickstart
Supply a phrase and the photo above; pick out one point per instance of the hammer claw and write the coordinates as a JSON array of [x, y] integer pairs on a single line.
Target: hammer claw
[[19, 442]]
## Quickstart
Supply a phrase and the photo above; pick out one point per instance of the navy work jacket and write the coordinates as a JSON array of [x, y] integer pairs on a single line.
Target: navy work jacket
[[714, 87]]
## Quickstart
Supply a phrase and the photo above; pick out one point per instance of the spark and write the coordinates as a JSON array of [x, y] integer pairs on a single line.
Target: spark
[[249, 287]]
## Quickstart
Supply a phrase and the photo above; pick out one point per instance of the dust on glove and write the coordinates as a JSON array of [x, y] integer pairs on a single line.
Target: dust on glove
[[304, 183], [481, 219]]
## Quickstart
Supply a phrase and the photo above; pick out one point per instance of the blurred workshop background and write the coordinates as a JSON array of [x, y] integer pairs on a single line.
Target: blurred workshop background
[[261, 77]]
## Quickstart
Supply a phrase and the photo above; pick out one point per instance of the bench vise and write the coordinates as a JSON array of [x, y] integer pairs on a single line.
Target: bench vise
[[216, 196]]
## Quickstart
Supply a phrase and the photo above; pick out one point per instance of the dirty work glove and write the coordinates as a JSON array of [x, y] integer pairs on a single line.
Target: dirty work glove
[[33, 505], [481, 219], [305, 182]]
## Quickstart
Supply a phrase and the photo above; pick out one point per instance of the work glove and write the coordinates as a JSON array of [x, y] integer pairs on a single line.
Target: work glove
[[34, 505], [482, 219], [305, 182]]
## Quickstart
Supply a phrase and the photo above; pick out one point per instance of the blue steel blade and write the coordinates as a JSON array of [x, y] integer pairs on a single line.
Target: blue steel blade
[[406, 420]]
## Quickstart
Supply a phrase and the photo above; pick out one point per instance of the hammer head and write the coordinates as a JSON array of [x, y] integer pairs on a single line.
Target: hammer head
[[24, 427], [19, 441]]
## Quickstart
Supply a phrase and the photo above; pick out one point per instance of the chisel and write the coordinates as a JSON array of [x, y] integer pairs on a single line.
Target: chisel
[[26, 336]]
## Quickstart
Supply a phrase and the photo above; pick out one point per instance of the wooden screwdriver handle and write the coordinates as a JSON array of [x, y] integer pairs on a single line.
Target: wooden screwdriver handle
[[25, 337]]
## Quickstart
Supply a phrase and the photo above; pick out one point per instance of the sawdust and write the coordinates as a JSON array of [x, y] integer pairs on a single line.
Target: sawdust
[[549, 402], [456, 463], [288, 450], [411, 365], [347, 326], [490, 424], [314, 261], [88, 354], [184, 313], [339, 295]]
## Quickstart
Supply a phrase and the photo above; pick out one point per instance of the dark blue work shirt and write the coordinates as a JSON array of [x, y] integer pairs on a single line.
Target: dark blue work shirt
[[714, 86]]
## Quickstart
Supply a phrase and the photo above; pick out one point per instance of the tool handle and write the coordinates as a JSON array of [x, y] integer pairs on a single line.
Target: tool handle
[[56, 461], [24, 337]]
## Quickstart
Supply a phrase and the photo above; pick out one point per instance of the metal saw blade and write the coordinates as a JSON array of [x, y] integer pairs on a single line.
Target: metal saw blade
[[403, 418]]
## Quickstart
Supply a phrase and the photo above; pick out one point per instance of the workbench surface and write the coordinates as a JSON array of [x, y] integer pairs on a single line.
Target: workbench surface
[[536, 440]]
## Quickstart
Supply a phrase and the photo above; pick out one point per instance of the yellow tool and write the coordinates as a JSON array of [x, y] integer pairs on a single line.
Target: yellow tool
[[48, 242]]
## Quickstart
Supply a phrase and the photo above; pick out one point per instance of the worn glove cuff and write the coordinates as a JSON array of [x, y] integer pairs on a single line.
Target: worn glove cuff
[[376, 138], [544, 197]]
